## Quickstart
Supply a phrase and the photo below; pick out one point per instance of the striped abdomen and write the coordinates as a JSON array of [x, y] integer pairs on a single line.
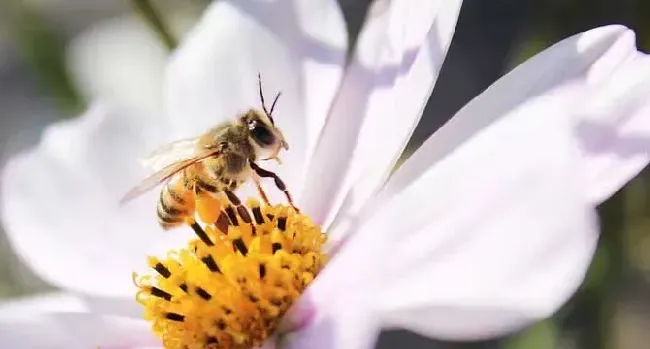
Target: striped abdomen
[[177, 197], [176, 202]]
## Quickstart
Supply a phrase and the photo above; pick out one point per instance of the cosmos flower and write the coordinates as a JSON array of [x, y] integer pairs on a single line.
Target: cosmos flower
[[488, 227]]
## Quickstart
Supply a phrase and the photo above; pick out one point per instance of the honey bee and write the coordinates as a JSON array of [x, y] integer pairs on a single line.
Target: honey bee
[[218, 161]]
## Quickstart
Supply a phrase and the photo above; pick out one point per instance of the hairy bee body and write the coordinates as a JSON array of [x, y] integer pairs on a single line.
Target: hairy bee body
[[226, 171], [217, 161]]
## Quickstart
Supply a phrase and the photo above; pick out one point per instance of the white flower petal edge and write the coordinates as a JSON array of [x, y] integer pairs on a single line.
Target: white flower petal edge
[[61, 199], [487, 227], [73, 330], [66, 320], [42, 303], [297, 46], [613, 128], [386, 86]]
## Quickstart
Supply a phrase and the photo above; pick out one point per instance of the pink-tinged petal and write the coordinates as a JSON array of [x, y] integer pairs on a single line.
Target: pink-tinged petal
[[398, 56], [613, 128], [60, 203], [297, 46], [347, 323], [74, 331], [487, 228]]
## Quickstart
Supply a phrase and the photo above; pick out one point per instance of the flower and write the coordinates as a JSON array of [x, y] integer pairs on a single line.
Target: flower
[[231, 286], [488, 227]]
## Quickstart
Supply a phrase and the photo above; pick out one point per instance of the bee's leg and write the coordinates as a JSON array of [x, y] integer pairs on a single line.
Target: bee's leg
[[278, 182], [241, 209], [260, 190]]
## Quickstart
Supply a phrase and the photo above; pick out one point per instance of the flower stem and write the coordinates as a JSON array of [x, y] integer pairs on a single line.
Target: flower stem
[[153, 18]]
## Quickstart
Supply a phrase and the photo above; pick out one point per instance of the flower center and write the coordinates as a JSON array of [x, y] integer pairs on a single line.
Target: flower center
[[230, 286]]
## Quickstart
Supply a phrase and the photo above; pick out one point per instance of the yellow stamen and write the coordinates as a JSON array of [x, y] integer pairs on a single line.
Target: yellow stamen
[[230, 287]]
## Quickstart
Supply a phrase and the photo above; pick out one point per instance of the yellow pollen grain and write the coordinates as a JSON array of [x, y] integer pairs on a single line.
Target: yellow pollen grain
[[231, 285]]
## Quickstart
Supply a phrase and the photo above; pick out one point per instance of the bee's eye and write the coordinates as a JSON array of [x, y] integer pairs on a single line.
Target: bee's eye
[[262, 135]]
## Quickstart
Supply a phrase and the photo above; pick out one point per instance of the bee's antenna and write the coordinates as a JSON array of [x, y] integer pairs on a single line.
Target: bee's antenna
[[268, 114], [275, 100]]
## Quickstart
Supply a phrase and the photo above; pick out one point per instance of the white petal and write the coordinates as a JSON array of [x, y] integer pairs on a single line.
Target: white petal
[[345, 323], [60, 302], [121, 61], [583, 61], [46, 302], [487, 227], [298, 47], [614, 128], [399, 54], [505, 225], [73, 331], [60, 202]]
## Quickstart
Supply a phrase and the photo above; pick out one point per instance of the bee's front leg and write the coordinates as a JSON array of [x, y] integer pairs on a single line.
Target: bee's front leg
[[278, 182]]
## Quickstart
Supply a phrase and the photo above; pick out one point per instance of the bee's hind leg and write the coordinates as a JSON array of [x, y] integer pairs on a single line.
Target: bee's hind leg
[[242, 211], [278, 182]]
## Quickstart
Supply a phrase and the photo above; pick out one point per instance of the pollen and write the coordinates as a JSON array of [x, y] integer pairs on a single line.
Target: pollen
[[232, 284]]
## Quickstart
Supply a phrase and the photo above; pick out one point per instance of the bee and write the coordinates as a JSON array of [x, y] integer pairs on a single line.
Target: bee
[[217, 161]]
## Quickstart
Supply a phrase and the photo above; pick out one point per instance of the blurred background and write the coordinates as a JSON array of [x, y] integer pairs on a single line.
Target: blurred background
[[55, 55]]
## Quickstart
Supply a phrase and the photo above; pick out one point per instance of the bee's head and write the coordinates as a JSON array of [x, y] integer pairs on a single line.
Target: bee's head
[[267, 139]]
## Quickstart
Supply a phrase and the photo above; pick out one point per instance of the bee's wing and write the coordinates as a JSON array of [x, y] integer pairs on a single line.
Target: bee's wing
[[166, 173], [171, 153]]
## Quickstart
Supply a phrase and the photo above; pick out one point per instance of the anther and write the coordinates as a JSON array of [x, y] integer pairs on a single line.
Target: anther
[[203, 294], [282, 223], [211, 264], [155, 291], [257, 213], [275, 247], [175, 317], [162, 270], [262, 271], [201, 234], [240, 245]]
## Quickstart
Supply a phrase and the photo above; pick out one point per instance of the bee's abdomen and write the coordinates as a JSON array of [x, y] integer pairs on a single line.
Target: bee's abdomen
[[176, 202]]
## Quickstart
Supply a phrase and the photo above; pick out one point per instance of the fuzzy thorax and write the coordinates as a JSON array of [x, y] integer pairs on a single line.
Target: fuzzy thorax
[[232, 284]]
